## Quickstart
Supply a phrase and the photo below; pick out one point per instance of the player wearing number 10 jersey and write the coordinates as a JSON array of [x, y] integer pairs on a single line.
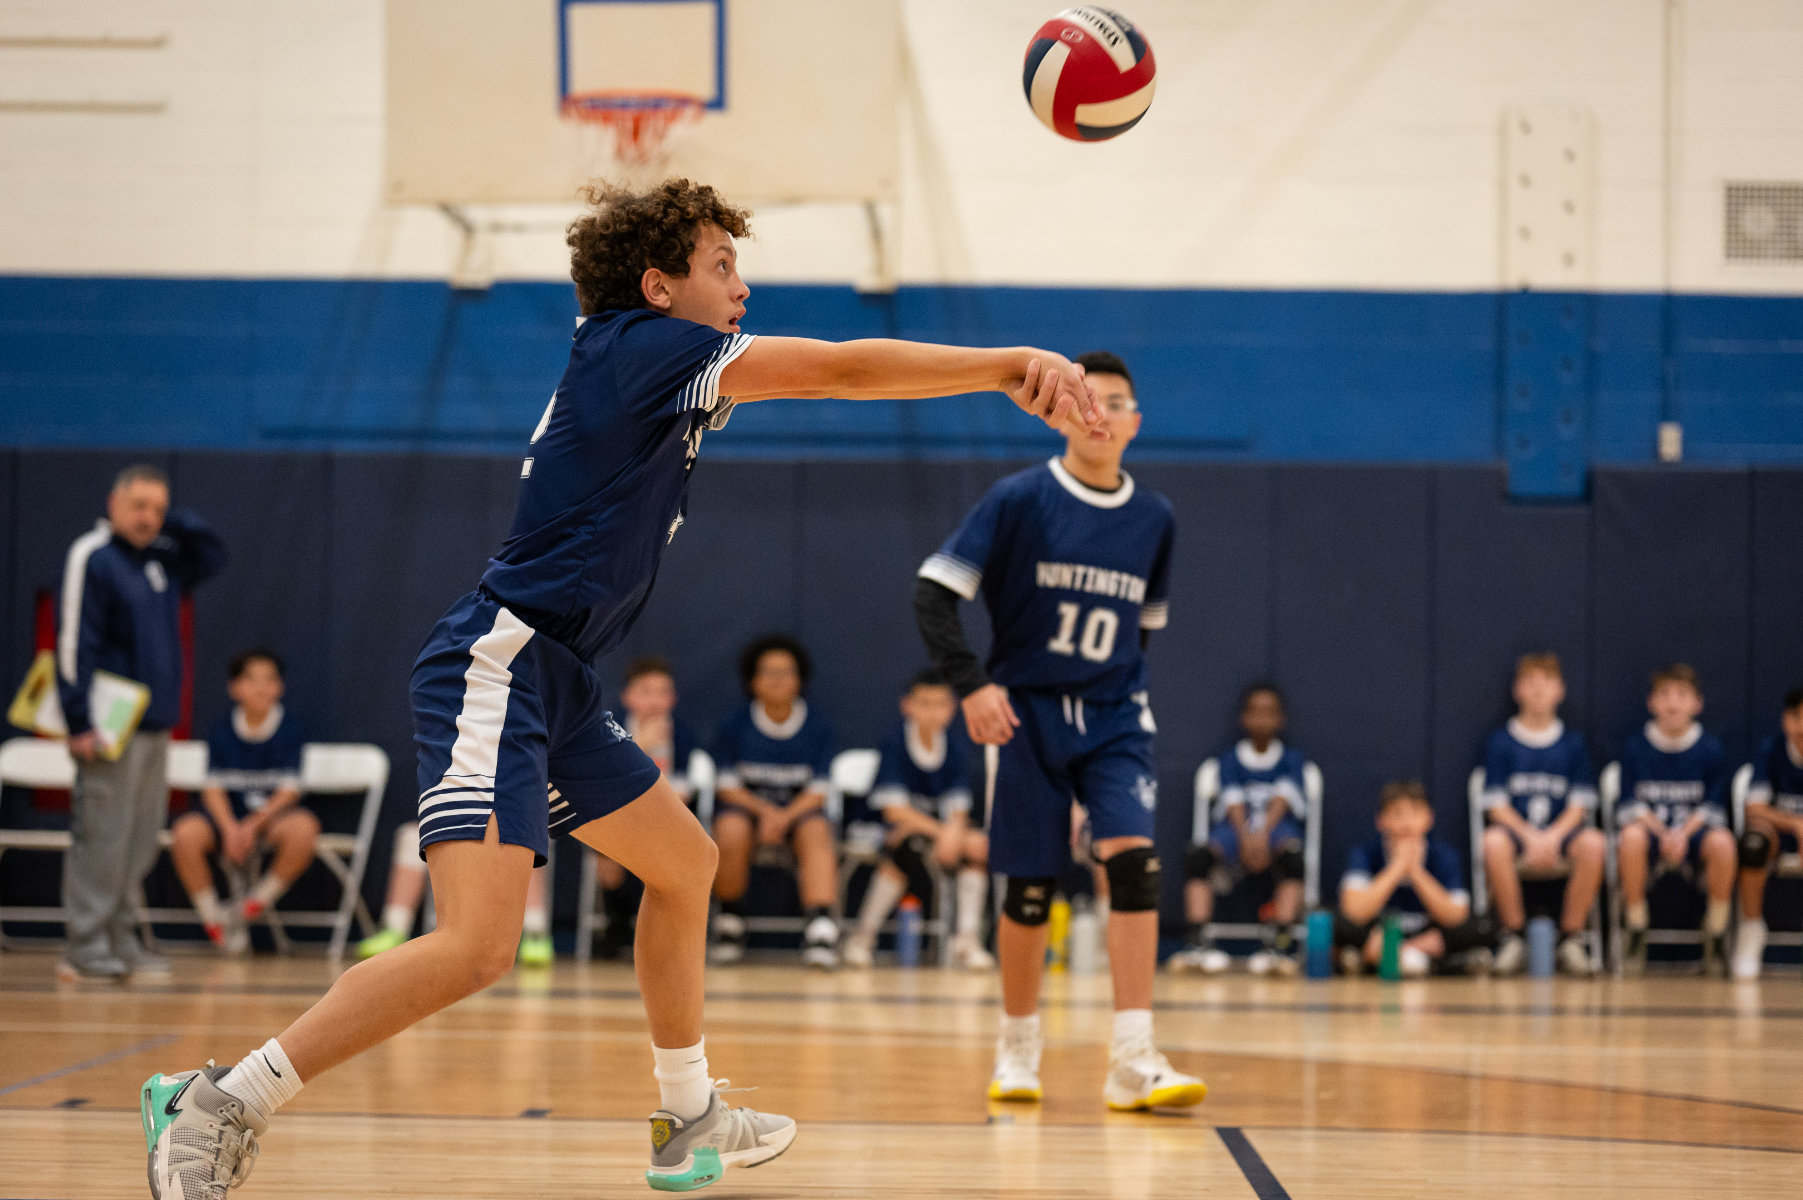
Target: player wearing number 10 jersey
[[1073, 562]]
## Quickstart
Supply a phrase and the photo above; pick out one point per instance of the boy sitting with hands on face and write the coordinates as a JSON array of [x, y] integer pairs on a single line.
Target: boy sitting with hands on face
[[1405, 872]]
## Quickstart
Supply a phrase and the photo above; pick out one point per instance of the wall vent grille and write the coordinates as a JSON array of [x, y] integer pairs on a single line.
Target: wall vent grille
[[1763, 222]]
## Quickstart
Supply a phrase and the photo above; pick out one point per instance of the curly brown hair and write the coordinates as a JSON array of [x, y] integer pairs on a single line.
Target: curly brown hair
[[625, 233]]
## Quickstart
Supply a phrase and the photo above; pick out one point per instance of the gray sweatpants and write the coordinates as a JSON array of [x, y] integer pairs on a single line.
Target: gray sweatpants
[[116, 812]]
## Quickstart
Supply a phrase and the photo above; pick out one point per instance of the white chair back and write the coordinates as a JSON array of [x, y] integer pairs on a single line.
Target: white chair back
[[1474, 796], [704, 776], [186, 767], [36, 763], [853, 773], [343, 767]]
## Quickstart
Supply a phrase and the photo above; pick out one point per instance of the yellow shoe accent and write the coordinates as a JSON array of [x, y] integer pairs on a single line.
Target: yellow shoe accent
[[1182, 1095], [1020, 1093]]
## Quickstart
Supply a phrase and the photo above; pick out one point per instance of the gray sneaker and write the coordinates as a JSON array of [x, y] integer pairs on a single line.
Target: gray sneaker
[[91, 964], [201, 1140], [141, 962], [686, 1155]]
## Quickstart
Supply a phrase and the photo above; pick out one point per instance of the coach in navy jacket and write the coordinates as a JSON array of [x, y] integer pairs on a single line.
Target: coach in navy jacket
[[119, 612]]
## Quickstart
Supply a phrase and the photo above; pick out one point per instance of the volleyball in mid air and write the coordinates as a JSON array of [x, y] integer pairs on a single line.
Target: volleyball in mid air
[[1090, 74]]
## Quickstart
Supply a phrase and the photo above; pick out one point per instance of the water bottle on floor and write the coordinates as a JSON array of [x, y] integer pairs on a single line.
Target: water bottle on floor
[[1085, 938], [1543, 942], [1319, 939], [907, 932]]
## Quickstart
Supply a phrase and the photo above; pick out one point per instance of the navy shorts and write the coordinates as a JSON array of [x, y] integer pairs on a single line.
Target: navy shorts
[[1564, 842], [1693, 853], [1065, 748], [1287, 832], [511, 724]]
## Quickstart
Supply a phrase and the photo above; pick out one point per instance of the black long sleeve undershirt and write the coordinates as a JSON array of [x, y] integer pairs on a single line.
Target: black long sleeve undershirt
[[936, 613]]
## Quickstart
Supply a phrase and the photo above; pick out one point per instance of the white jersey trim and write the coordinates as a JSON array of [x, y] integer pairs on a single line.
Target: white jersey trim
[[703, 391], [954, 573], [1087, 494], [1155, 614], [75, 578], [779, 731], [1677, 745], [1536, 739], [487, 686]]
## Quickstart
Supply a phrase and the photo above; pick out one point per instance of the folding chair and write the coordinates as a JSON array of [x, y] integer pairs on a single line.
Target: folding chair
[[30, 762], [1788, 865], [1208, 790], [1480, 886], [700, 776], [1608, 791], [861, 845]]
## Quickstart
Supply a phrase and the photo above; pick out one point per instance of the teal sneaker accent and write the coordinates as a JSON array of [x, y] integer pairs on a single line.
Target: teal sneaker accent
[[704, 1169], [155, 1103]]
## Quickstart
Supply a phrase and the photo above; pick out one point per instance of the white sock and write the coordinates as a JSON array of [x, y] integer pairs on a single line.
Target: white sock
[[1637, 915], [538, 920], [682, 1079], [398, 918], [879, 901], [973, 889], [206, 903], [1025, 1025], [269, 889], [1715, 917], [264, 1079], [1753, 923], [1132, 1025]]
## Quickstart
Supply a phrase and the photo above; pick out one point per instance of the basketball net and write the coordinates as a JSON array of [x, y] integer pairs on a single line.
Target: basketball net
[[630, 129]]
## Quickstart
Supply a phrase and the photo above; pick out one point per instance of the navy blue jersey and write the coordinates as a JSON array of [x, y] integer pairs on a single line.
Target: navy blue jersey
[[1672, 779], [1070, 575], [1538, 774], [934, 781], [251, 765], [774, 762], [1254, 779], [603, 488], [1371, 856], [672, 758], [1777, 776]]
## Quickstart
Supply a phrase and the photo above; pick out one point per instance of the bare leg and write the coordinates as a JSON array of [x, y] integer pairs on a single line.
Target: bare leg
[[733, 834], [1132, 940], [407, 877], [1286, 905], [1021, 952], [1587, 851], [190, 841], [1198, 901], [481, 896], [1631, 861], [1719, 854], [293, 837], [1752, 879], [1505, 883], [816, 863], [609, 873], [658, 839]]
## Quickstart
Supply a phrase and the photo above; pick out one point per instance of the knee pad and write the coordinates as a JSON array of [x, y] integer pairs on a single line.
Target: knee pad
[[1133, 880], [909, 855], [1755, 849], [1028, 900], [1199, 862], [1287, 865]]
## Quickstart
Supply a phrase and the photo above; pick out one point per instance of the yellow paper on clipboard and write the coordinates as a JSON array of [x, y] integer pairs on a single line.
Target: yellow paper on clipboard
[[115, 705]]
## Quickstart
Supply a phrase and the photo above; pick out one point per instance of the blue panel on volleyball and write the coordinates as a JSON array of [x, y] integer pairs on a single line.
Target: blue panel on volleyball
[[1546, 394]]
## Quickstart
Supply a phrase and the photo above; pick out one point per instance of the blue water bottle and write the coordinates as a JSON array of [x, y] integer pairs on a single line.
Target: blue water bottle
[[1543, 938], [1319, 940], [907, 932]]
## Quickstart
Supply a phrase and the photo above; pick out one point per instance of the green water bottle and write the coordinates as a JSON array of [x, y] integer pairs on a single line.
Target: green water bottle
[[1390, 965]]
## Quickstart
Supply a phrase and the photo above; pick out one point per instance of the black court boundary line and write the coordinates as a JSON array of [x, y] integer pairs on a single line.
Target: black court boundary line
[[101, 1060], [1301, 1008], [1251, 1164], [1359, 1130]]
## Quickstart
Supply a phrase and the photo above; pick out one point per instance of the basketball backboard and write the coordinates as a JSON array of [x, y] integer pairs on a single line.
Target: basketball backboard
[[799, 99]]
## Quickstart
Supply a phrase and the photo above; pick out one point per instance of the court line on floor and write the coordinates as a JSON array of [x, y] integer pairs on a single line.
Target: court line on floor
[[1521, 1135], [102, 1060], [1251, 1164]]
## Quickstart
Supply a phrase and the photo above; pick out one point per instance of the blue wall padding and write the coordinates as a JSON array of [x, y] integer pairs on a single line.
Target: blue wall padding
[[1271, 375], [1390, 602]]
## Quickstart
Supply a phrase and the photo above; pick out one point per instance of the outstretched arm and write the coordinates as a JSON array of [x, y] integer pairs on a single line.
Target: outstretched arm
[[1043, 383]]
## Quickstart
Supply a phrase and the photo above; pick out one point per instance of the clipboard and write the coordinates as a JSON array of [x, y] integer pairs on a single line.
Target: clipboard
[[115, 705]]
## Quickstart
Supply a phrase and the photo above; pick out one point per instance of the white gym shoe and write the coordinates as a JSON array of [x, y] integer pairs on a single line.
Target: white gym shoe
[[1749, 950], [728, 945], [967, 954], [857, 950], [1574, 956], [1139, 1077], [201, 1140], [686, 1155], [1016, 1066], [820, 944], [1270, 962], [1413, 962], [1199, 960], [1511, 954]]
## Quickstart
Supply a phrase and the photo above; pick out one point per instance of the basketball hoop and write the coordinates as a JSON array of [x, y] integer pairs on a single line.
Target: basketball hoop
[[631, 126]]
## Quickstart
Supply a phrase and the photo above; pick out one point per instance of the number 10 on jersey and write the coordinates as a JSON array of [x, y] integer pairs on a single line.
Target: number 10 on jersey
[[1099, 629]]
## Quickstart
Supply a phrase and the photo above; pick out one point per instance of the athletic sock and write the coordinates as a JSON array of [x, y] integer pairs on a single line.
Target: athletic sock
[[264, 1078], [269, 889], [973, 889], [1027, 1025], [538, 922], [682, 1079], [206, 903], [879, 901], [1715, 918], [1638, 915], [398, 918], [1132, 1026]]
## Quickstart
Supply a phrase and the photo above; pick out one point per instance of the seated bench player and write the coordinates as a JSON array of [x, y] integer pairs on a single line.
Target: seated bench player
[[251, 803], [1673, 814], [1539, 796], [1402, 870], [1256, 828], [775, 760], [923, 792], [1774, 826]]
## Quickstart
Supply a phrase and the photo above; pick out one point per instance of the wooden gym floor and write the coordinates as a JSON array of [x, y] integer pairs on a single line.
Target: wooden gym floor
[[1666, 1086]]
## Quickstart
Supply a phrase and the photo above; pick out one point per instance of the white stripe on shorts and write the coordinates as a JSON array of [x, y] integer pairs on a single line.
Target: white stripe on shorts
[[487, 685]]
